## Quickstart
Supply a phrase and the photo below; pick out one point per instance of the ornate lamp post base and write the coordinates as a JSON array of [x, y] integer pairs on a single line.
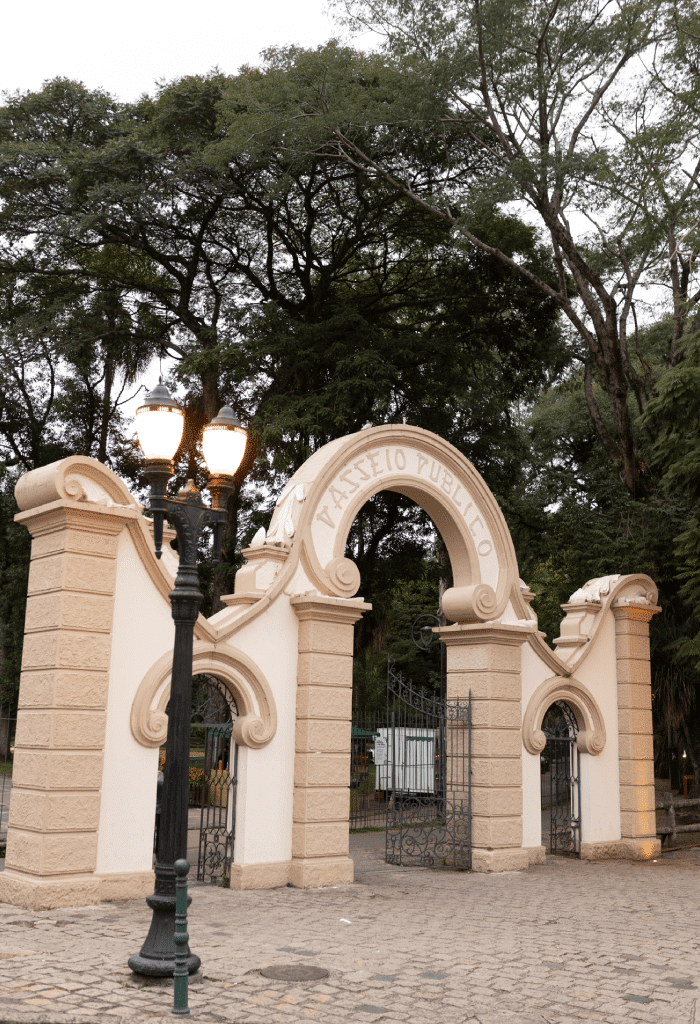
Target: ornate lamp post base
[[157, 956]]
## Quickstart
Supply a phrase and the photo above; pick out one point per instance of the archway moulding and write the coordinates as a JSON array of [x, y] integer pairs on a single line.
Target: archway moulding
[[591, 728], [257, 719], [303, 549]]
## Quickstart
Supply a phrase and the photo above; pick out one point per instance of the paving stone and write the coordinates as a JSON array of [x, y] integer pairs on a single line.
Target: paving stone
[[424, 948]]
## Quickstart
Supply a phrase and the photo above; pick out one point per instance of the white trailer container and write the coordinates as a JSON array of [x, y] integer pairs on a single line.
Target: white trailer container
[[413, 768]]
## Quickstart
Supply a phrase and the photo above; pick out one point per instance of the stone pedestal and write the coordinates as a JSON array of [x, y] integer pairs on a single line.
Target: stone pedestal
[[320, 833], [485, 659], [635, 730], [57, 777]]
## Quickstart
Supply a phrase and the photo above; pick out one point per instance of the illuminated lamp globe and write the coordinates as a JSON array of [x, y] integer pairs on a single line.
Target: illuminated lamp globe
[[224, 442], [159, 425]]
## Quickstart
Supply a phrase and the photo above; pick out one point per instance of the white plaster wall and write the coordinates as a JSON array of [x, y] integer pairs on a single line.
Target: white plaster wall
[[600, 799], [535, 671], [265, 792], [142, 631], [600, 775]]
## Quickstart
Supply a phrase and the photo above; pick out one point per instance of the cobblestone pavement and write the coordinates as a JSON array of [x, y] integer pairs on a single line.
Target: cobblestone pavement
[[562, 943]]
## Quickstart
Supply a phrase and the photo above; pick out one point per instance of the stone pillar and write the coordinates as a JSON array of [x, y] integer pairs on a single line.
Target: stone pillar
[[635, 731], [486, 659], [320, 834], [57, 776]]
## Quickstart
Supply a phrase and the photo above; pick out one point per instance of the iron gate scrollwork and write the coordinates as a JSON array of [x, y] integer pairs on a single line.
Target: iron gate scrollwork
[[213, 780], [217, 816], [561, 778], [423, 762]]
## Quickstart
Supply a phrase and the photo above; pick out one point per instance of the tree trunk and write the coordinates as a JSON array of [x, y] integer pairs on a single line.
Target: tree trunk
[[106, 409], [210, 392]]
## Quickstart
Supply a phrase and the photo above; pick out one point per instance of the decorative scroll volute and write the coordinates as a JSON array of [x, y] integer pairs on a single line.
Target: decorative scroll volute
[[77, 478], [470, 604], [343, 577]]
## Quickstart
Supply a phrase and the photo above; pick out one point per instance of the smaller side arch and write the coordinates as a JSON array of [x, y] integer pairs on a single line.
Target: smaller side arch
[[591, 728], [257, 720]]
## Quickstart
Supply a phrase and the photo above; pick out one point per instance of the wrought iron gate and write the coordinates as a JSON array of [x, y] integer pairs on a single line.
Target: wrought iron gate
[[217, 817], [561, 782], [213, 777], [423, 763]]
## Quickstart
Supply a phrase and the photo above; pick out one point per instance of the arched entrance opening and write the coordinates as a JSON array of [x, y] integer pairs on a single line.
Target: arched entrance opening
[[304, 553], [213, 776], [410, 746], [404, 567], [560, 768]]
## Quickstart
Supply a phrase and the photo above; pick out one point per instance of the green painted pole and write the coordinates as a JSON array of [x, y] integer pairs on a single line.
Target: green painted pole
[[181, 973]]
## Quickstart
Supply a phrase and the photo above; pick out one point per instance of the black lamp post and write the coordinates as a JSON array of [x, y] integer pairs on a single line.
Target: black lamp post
[[159, 426]]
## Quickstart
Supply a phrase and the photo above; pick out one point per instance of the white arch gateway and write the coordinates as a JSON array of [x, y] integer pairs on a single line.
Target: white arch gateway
[[98, 649]]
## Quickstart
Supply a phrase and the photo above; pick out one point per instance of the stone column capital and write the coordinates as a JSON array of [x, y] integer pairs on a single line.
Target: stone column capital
[[329, 609], [623, 611], [504, 633], [89, 517]]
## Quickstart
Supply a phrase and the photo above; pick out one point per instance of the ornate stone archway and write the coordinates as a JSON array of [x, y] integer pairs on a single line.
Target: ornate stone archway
[[257, 715], [302, 555], [98, 643], [304, 548]]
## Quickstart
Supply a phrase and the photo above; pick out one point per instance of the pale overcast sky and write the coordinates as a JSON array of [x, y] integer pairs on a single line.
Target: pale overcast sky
[[126, 47]]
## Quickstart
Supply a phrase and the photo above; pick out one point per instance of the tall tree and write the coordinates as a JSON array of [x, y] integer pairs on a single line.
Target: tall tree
[[308, 293], [300, 288], [557, 97]]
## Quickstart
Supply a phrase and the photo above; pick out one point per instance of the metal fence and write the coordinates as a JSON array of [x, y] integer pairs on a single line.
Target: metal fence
[[368, 803], [8, 722]]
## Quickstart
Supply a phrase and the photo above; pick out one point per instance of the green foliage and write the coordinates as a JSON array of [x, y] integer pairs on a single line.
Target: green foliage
[[675, 417], [305, 292], [392, 542], [325, 241], [572, 521], [14, 574], [578, 110]]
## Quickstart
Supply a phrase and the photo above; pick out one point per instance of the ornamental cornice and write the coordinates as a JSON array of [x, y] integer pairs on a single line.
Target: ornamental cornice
[[586, 610]]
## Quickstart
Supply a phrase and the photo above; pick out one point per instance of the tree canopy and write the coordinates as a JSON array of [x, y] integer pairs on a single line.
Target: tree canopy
[[306, 293], [488, 227], [571, 108]]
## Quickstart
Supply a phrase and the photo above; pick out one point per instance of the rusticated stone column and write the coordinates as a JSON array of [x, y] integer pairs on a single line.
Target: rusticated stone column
[[635, 731], [55, 807], [320, 833], [485, 659]]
